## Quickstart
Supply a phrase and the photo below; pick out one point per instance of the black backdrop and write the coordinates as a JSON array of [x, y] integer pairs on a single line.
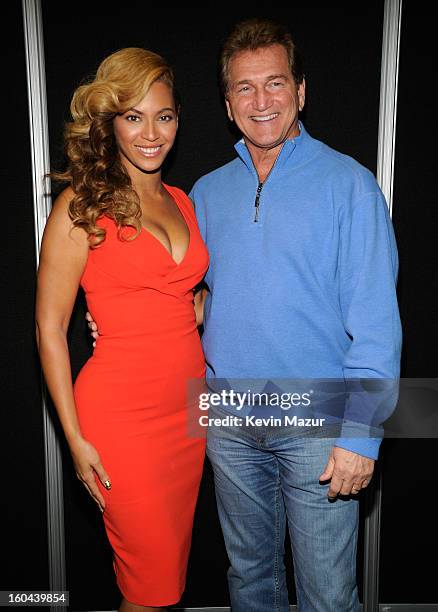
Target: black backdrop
[[409, 537], [341, 46]]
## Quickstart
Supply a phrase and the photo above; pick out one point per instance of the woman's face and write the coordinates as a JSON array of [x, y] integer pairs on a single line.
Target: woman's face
[[145, 134]]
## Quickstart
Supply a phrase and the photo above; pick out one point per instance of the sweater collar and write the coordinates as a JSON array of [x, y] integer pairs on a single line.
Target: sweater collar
[[293, 152]]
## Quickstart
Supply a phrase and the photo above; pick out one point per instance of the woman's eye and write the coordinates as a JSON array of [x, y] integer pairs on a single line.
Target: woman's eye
[[133, 118], [166, 118]]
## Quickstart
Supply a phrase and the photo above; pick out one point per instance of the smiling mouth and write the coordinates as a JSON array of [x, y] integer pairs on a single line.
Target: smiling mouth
[[149, 151], [262, 118]]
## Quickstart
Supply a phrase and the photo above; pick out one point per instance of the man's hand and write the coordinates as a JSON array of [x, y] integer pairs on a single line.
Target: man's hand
[[199, 302], [349, 472], [92, 325]]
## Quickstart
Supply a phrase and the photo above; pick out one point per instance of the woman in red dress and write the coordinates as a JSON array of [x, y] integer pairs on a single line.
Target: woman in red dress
[[133, 244]]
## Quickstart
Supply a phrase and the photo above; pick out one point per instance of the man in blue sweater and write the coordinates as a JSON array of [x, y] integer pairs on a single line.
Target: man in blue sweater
[[302, 286]]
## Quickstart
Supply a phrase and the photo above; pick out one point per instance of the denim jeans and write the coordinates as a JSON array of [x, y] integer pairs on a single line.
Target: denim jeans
[[267, 476]]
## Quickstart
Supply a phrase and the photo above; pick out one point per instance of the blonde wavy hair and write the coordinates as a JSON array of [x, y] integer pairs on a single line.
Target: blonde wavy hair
[[94, 170]]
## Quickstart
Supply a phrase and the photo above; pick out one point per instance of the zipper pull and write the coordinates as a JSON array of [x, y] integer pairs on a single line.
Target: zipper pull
[[257, 202]]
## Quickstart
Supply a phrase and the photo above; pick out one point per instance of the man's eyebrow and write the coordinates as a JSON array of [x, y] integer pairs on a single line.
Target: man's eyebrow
[[268, 78], [276, 76]]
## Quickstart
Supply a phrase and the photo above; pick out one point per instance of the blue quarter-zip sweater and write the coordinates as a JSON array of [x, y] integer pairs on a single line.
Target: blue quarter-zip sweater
[[308, 290]]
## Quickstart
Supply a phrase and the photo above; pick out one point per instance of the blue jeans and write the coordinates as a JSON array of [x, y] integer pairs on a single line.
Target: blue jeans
[[265, 476]]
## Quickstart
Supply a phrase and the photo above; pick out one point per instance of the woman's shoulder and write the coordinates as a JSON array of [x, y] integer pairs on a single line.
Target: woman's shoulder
[[59, 226], [62, 201], [61, 206], [59, 215], [180, 194]]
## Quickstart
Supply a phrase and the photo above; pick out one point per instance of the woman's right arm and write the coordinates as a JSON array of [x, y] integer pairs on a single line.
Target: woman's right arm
[[63, 257]]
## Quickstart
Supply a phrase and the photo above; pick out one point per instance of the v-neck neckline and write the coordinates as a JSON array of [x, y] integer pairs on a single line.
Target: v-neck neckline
[[146, 231]]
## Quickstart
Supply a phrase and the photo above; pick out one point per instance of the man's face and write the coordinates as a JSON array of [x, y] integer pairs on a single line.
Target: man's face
[[263, 98]]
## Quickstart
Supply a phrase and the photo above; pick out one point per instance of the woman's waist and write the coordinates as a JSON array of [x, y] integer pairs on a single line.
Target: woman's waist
[[116, 319], [117, 360], [146, 341]]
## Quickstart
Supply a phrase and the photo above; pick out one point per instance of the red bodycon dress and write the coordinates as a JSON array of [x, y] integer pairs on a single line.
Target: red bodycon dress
[[131, 403]]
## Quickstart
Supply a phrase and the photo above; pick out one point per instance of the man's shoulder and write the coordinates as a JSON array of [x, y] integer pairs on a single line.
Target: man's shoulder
[[218, 175], [347, 170]]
